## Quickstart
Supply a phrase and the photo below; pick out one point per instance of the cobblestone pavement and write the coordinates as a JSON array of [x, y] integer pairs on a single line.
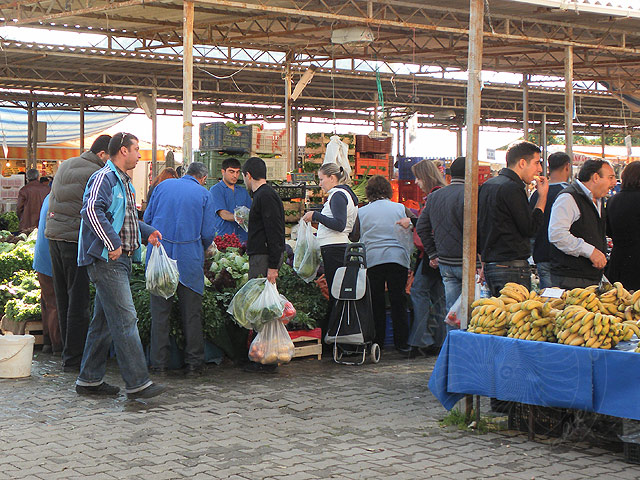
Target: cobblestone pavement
[[314, 419]]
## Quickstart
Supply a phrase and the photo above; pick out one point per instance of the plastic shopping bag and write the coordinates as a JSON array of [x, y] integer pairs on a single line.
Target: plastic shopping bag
[[453, 315], [404, 237], [257, 303], [162, 273], [241, 216], [272, 345], [306, 256]]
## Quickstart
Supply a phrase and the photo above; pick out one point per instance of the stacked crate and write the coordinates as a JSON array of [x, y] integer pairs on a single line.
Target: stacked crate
[[219, 141], [373, 156], [316, 147]]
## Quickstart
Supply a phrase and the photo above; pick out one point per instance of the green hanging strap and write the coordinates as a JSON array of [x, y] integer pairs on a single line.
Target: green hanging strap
[[380, 94]]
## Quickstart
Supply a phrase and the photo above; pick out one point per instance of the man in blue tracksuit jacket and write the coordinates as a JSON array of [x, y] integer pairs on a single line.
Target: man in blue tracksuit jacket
[[110, 236], [182, 210]]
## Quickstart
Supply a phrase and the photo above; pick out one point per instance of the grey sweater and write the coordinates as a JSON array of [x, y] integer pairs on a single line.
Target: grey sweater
[[65, 201]]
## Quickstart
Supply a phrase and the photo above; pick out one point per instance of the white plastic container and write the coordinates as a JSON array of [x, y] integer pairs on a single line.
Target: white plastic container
[[16, 352]]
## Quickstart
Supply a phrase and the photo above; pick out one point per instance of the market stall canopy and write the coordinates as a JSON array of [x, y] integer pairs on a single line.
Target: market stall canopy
[[61, 125]]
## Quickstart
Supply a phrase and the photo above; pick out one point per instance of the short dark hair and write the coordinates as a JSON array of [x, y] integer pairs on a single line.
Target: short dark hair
[[32, 174], [557, 160], [521, 149], [631, 176], [198, 170], [231, 162], [378, 187], [120, 140], [101, 144], [589, 167], [256, 167]]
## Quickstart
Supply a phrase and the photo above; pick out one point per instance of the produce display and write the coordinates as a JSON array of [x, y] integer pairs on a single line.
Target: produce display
[[16, 253], [595, 317], [227, 240], [9, 221], [229, 268]]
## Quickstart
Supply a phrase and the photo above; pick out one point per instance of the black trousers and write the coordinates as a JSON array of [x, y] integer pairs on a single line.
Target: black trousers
[[332, 259], [394, 276], [71, 286], [569, 283], [190, 304]]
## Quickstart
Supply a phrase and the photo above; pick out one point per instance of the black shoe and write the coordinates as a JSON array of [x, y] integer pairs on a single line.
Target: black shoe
[[104, 389], [193, 370], [158, 371], [151, 391], [253, 367], [71, 368]]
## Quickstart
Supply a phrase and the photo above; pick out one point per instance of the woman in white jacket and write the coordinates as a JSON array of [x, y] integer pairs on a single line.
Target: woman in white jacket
[[335, 222]]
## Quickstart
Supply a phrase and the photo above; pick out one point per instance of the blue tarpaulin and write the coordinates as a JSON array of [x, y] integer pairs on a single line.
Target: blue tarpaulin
[[537, 373], [62, 125]]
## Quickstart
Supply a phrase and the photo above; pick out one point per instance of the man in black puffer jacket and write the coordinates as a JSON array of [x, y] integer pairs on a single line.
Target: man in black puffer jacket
[[70, 282]]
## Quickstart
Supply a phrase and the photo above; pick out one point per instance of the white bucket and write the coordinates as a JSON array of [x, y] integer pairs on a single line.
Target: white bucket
[[16, 352]]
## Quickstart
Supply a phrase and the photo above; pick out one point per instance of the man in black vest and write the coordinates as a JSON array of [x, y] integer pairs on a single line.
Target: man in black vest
[[577, 227]]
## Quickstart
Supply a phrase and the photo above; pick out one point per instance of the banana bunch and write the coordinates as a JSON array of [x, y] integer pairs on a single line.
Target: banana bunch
[[533, 320], [581, 327], [488, 316], [514, 293], [615, 300], [634, 302]]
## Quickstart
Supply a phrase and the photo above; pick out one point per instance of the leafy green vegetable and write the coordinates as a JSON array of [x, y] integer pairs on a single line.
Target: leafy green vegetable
[[20, 311]]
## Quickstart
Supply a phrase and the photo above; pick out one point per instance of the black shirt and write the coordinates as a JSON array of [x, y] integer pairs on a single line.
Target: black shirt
[[266, 225], [505, 222], [542, 247]]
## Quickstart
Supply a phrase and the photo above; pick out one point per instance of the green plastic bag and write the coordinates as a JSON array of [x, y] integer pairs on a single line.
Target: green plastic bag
[[306, 256]]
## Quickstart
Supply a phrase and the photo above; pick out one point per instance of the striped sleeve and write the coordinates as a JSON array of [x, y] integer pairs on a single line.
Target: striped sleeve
[[95, 207]]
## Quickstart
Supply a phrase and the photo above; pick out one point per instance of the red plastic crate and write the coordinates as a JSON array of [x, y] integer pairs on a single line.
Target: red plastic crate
[[409, 190], [373, 145]]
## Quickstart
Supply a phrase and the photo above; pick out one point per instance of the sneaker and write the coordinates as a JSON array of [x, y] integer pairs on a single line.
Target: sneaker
[[104, 389], [151, 391]]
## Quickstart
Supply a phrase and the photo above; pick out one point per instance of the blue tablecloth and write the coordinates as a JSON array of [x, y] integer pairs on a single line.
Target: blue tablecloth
[[537, 373]]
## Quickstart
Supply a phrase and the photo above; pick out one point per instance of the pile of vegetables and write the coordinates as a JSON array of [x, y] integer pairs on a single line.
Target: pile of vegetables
[[9, 221], [16, 253], [227, 240], [20, 297]]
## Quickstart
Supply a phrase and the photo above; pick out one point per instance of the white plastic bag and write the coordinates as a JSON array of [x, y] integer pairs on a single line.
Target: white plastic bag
[[162, 274], [306, 256], [241, 216], [404, 237], [257, 303], [453, 315], [338, 153], [272, 345]]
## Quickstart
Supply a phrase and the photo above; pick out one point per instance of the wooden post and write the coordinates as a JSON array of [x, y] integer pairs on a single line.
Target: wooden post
[[287, 109], [154, 134], [187, 83], [81, 145], [459, 141], [404, 139], [470, 240], [29, 159], [525, 106], [568, 101], [543, 139], [603, 142]]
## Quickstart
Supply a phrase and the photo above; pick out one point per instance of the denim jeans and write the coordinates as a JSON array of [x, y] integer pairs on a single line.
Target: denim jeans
[[190, 304], [569, 283], [452, 279], [544, 273], [428, 299], [114, 318], [497, 275]]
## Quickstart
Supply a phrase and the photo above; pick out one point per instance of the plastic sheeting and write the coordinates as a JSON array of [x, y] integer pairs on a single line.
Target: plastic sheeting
[[62, 125]]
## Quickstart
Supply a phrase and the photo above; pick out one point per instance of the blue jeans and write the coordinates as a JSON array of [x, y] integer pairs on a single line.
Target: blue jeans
[[544, 273], [427, 297], [452, 279], [114, 319], [497, 275]]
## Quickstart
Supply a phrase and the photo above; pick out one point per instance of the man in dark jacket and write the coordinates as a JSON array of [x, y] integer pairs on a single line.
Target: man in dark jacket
[[506, 224], [577, 228], [440, 229], [30, 198], [70, 282], [559, 165]]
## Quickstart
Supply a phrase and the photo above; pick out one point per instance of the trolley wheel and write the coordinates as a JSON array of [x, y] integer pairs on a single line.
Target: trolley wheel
[[375, 353]]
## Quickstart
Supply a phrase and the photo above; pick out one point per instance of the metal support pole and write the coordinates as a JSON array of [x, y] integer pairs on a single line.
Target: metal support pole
[[459, 141], [81, 146], [525, 105], [154, 133], [474, 93], [29, 136], [287, 109], [404, 139], [294, 140], [34, 129], [602, 142], [398, 139], [543, 136], [568, 101], [187, 83]]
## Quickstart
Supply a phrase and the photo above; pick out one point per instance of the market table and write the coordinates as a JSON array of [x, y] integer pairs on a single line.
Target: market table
[[537, 373]]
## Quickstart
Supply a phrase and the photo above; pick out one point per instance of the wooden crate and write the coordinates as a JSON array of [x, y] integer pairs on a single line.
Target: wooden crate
[[35, 329], [291, 207], [307, 347]]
